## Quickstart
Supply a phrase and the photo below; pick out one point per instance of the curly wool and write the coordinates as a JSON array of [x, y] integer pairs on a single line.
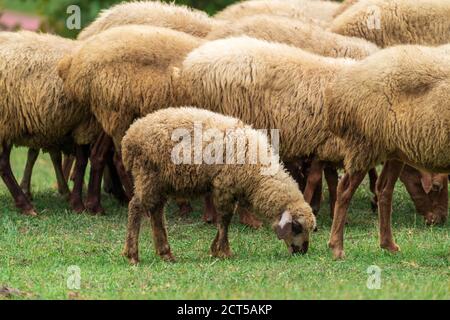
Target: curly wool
[[125, 73], [35, 112], [394, 104], [153, 13], [152, 163], [425, 22], [268, 85], [296, 33]]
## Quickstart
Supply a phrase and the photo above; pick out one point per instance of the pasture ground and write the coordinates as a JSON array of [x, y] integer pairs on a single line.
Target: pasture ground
[[36, 253]]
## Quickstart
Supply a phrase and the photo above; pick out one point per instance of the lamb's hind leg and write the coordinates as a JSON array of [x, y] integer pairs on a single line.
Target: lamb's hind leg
[[25, 184], [224, 202], [332, 177], [160, 239], [346, 188], [135, 213], [63, 188], [385, 187], [10, 181]]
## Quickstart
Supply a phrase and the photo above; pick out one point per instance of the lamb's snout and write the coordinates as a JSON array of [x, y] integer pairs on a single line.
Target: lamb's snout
[[297, 249]]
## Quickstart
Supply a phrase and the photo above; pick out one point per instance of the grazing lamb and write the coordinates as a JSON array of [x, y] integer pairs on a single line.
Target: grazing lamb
[[35, 111], [153, 13], [393, 22], [266, 7], [157, 175], [296, 33], [392, 106]]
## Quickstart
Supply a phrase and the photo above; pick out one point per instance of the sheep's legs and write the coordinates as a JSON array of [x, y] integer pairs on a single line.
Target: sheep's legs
[[135, 213], [160, 239], [112, 183], [76, 197], [373, 177], [184, 207], [332, 177], [63, 188], [316, 200], [125, 177], [67, 166], [313, 180], [10, 181], [346, 188], [223, 201], [385, 187], [247, 218], [209, 211], [25, 184], [98, 158]]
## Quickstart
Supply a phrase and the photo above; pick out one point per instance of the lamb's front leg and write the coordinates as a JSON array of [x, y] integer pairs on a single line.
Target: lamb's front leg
[[224, 203]]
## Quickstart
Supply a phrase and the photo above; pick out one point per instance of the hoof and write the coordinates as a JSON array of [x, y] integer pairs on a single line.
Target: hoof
[[30, 212], [338, 253], [95, 209], [77, 207], [391, 247], [168, 257]]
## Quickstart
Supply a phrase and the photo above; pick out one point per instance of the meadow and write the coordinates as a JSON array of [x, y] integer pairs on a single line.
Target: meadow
[[37, 255]]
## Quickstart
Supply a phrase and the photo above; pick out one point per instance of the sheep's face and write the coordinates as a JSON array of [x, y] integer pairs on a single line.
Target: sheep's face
[[294, 232]]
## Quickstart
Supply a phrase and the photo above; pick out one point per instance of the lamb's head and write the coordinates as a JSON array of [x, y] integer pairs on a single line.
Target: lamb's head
[[294, 227]]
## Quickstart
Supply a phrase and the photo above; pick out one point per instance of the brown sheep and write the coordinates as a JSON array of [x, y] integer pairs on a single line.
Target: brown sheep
[[394, 22], [392, 106], [35, 111], [157, 175]]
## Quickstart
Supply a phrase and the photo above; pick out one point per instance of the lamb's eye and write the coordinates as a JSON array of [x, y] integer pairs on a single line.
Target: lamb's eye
[[297, 228]]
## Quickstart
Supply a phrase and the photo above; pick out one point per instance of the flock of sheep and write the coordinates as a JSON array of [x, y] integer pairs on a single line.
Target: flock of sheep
[[349, 85]]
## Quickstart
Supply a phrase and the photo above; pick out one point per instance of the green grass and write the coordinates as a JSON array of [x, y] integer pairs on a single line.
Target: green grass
[[36, 252]]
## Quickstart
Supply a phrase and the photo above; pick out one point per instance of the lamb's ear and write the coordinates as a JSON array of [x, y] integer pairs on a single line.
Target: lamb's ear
[[284, 226], [64, 66], [427, 181]]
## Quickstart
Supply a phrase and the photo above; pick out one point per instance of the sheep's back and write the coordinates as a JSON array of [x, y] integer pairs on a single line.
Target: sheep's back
[[394, 22], [152, 13]]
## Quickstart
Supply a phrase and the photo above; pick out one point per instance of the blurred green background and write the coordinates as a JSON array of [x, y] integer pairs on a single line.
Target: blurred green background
[[54, 13]]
